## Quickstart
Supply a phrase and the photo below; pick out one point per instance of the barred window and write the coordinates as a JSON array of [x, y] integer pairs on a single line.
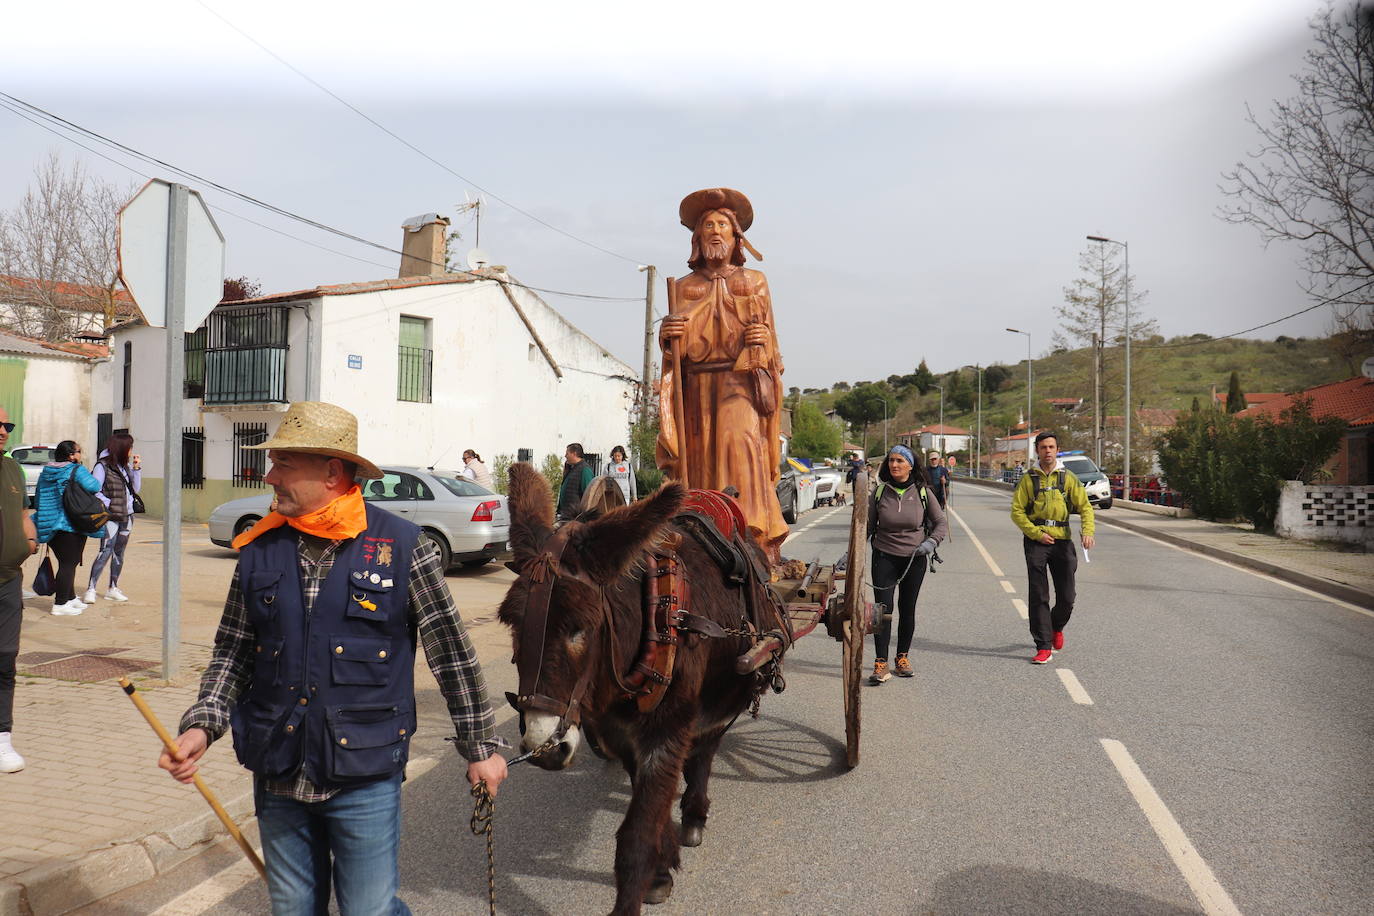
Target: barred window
[[194, 384], [250, 464], [128, 374], [415, 362], [245, 355], [193, 457]]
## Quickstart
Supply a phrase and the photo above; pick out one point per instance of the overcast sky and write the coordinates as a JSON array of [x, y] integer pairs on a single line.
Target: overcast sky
[[921, 177]]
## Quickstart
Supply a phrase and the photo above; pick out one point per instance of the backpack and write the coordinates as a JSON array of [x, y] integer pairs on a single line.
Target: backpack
[[1057, 485], [84, 511], [926, 523]]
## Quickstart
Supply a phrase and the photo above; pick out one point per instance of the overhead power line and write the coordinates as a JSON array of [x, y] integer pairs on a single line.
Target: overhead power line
[[1197, 343], [61, 127], [406, 143]]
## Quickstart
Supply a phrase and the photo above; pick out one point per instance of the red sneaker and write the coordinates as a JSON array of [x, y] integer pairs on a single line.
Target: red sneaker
[[1042, 656], [1058, 640]]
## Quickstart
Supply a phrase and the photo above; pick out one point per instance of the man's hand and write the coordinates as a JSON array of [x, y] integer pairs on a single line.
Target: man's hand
[[756, 335], [1088, 542], [490, 771], [1046, 538], [673, 328], [191, 744]]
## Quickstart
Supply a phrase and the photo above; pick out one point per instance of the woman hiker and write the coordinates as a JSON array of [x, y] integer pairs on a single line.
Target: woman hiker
[[121, 477], [55, 529], [905, 524]]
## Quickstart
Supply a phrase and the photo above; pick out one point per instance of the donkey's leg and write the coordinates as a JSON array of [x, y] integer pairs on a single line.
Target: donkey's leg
[[696, 804], [642, 845]]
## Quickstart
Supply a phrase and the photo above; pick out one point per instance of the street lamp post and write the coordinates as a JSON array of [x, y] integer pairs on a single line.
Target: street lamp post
[[1030, 446], [1129, 412], [941, 428]]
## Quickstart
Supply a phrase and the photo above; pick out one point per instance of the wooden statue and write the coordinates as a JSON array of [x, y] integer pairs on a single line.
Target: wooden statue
[[721, 396]]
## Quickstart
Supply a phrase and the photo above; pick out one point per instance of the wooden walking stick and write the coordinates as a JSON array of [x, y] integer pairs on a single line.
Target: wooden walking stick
[[170, 744], [679, 411]]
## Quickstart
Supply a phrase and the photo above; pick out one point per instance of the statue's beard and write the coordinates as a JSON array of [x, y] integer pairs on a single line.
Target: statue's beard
[[715, 249]]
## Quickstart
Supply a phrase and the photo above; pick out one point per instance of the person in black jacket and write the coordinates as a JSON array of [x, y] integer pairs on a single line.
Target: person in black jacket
[[577, 477], [905, 524]]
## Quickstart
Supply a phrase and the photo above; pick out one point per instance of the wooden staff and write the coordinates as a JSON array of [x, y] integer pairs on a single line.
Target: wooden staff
[[679, 411], [170, 744]]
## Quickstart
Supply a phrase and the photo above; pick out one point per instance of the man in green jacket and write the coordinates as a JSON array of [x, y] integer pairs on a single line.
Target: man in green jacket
[[577, 477], [1040, 507], [17, 544]]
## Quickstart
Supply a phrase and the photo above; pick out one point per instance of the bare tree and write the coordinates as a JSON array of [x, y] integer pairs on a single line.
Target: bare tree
[[57, 254], [1311, 180]]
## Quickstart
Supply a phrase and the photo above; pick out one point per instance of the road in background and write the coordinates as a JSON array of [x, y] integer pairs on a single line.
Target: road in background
[[1201, 745]]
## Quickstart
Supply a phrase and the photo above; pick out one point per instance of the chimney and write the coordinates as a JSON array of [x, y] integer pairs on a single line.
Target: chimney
[[422, 245]]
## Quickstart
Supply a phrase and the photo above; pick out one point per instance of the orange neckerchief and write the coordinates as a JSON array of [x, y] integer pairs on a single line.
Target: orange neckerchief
[[342, 518]]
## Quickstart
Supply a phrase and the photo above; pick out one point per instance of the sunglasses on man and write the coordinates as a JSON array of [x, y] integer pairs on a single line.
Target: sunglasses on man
[[9, 427]]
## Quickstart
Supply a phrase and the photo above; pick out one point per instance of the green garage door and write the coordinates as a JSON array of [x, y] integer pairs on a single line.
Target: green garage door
[[12, 395]]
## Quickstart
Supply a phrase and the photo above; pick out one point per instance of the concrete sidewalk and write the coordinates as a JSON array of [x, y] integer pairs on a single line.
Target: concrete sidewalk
[[1328, 569], [91, 814]]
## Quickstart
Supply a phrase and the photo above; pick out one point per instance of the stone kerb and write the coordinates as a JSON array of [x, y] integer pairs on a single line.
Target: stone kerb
[[1314, 512]]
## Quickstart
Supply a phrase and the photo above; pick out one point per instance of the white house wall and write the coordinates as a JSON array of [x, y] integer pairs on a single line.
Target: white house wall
[[57, 400], [493, 391]]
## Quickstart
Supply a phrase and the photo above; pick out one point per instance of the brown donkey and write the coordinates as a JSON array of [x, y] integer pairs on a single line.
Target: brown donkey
[[577, 622]]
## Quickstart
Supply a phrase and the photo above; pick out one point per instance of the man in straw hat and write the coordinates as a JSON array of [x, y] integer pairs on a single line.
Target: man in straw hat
[[721, 324], [313, 670]]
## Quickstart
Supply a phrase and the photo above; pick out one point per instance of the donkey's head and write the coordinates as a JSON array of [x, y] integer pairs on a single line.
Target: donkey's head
[[557, 610]]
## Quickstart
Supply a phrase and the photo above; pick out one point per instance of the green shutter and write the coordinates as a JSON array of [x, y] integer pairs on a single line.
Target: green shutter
[[12, 395], [413, 332]]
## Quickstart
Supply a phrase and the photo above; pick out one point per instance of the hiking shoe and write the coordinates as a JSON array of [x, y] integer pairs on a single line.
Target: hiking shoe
[[70, 609], [1058, 640], [1042, 656], [880, 673], [904, 668], [89, 597], [10, 761], [114, 594]]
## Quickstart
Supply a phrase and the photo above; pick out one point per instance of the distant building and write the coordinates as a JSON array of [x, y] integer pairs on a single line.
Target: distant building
[[1067, 405], [942, 439], [46, 387]]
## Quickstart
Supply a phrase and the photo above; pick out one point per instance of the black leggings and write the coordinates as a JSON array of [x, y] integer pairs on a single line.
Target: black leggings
[[68, 547], [902, 575]]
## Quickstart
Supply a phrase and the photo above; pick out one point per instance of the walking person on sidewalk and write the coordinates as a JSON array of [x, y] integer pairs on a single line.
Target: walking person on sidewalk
[[121, 477], [622, 473], [313, 669], [55, 529], [939, 477], [577, 477], [18, 541], [906, 525], [1040, 507]]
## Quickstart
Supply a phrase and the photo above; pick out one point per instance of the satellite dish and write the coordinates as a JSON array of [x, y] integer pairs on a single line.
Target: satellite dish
[[477, 259], [1367, 369]]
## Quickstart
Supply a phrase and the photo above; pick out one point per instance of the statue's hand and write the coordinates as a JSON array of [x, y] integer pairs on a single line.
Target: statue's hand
[[756, 335], [674, 327]]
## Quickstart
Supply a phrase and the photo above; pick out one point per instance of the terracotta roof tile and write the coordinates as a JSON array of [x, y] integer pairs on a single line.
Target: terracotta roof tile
[[1352, 400]]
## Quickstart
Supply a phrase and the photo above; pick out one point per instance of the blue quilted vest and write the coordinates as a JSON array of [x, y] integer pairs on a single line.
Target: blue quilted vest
[[332, 691]]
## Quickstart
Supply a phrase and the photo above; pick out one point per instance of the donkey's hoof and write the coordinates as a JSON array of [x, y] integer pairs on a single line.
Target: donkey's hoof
[[660, 890], [691, 834]]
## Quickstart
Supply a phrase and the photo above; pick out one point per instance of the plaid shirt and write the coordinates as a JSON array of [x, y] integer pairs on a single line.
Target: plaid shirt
[[430, 606]]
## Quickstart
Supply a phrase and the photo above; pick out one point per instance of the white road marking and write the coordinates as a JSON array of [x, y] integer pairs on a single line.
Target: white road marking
[[1021, 608], [222, 885], [1254, 572], [813, 523], [987, 557], [1205, 887], [1075, 689], [1008, 587]]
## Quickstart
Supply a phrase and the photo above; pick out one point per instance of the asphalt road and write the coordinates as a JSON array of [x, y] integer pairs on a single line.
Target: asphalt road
[[1219, 763]]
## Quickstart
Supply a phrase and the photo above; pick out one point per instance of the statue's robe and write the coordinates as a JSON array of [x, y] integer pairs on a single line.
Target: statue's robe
[[732, 398]]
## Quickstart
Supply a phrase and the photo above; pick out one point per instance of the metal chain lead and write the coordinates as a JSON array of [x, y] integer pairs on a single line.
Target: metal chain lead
[[482, 811]]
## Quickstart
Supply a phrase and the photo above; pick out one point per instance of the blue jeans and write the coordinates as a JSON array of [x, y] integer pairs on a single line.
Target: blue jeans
[[360, 827]]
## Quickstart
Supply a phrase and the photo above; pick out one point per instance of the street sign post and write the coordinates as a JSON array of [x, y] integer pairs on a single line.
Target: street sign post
[[171, 260]]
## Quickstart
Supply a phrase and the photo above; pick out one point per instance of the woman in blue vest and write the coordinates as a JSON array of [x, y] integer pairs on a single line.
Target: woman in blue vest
[[55, 529], [905, 524]]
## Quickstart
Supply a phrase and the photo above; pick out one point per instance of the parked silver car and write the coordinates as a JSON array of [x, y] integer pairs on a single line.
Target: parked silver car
[[32, 458], [1093, 480], [469, 523]]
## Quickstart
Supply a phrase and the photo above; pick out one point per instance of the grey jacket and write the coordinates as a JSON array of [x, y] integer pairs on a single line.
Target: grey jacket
[[896, 520]]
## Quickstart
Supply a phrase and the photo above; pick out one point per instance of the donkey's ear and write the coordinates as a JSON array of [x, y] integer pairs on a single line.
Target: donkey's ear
[[609, 544], [531, 511]]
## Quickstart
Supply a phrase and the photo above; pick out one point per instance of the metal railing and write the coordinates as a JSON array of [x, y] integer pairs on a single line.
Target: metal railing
[[245, 355], [414, 374]]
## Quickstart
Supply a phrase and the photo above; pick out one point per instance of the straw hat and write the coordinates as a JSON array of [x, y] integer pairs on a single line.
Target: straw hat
[[317, 428]]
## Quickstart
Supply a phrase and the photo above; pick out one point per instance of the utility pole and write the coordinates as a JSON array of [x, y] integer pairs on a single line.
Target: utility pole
[[1097, 400], [650, 278], [978, 461]]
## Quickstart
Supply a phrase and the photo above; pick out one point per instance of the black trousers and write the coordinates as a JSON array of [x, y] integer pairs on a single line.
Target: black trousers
[[11, 614], [68, 547], [1060, 560], [898, 577]]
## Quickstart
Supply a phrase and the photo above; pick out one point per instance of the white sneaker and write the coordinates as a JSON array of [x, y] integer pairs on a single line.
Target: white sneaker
[[111, 594], [29, 593], [88, 598], [10, 761], [70, 609]]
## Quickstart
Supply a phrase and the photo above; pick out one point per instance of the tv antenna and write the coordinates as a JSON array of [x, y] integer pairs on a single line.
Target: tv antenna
[[475, 207]]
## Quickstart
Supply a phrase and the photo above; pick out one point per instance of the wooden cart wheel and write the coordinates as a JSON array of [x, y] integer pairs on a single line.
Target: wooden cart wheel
[[856, 617]]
